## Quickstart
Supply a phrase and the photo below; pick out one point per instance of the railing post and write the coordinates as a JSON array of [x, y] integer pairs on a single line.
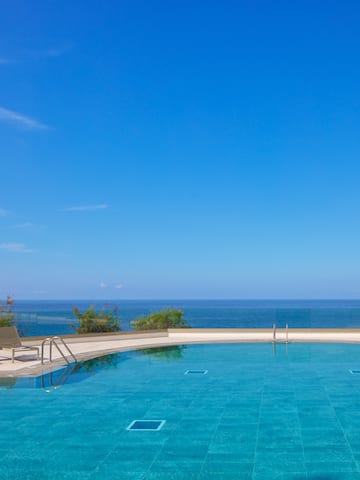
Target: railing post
[[67, 348], [53, 341], [43, 347]]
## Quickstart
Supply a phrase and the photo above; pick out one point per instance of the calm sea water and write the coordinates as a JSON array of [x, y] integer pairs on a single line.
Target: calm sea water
[[50, 317]]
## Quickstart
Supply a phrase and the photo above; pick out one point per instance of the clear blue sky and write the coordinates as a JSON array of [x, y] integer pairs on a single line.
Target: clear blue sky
[[154, 149]]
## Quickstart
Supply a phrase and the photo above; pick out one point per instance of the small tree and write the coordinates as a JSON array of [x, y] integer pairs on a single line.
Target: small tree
[[168, 318], [97, 321], [6, 314]]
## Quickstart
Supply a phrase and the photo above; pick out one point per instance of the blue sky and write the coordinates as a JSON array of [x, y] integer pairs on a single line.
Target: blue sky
[[179, 150]]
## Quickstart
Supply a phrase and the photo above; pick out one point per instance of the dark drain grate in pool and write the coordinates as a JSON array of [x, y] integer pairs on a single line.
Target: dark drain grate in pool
[[196, 372], [354, 372], [146, 425]]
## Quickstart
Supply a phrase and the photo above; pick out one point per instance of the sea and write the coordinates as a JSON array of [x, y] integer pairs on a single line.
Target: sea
[[55, 317]]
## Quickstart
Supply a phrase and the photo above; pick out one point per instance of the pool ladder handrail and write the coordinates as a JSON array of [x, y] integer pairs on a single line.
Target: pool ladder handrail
[[54, 341], [274, 333], [286, 333]]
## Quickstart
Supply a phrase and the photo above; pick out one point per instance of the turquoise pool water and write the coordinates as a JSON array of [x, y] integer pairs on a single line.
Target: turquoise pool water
[[255, 414]]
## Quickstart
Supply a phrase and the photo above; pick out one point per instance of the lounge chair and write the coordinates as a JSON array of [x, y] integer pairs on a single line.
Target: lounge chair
[[10, 340]]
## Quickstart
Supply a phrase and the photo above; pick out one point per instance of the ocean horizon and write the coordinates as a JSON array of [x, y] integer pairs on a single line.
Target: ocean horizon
[[50, 317]]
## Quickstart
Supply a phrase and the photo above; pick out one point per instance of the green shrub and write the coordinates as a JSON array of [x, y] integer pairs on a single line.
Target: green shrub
[[6, 314], [97, 321], [168, 318]]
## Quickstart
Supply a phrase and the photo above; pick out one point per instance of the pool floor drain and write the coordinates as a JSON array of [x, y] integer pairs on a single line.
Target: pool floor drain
[[354, 372], [196, 372], [146, 425]]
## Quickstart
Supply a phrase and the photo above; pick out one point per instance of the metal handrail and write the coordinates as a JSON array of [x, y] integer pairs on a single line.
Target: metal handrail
[[48, 339], [274, 332], [53, 341]]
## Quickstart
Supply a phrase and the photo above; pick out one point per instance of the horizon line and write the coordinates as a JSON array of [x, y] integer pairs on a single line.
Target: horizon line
[[257, 299]]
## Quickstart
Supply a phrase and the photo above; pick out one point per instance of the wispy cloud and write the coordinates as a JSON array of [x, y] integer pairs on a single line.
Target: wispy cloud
[[4, 212], [24, 55], [106, 285], [14, 248], [54, 52], [25, 225], [86, 208], [50, 52], [9, 116]]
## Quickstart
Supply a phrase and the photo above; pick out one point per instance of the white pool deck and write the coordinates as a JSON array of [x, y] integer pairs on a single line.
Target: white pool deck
[[90, 346]]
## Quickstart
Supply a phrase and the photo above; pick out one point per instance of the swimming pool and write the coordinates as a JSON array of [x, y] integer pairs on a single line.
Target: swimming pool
[[230, 411]]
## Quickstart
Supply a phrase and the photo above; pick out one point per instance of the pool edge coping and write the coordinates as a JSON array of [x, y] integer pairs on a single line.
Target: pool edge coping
[[92, 346]]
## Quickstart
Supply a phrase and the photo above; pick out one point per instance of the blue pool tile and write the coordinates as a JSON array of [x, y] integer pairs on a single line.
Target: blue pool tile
[[174, 475], [329, 422], [225, 476], [225, 434], [320, 467], [114, 474], [227, 467], [72, 475], [243, 448], [331, 454], [277, 467], [273, 449], [333, 475], [278, 475], [181, 465], [282, 457], [240, 457], [283, 444], [133, 453], [183, 453]]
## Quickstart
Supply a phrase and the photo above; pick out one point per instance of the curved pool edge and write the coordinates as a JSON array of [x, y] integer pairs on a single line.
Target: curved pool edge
[[90, 346]]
